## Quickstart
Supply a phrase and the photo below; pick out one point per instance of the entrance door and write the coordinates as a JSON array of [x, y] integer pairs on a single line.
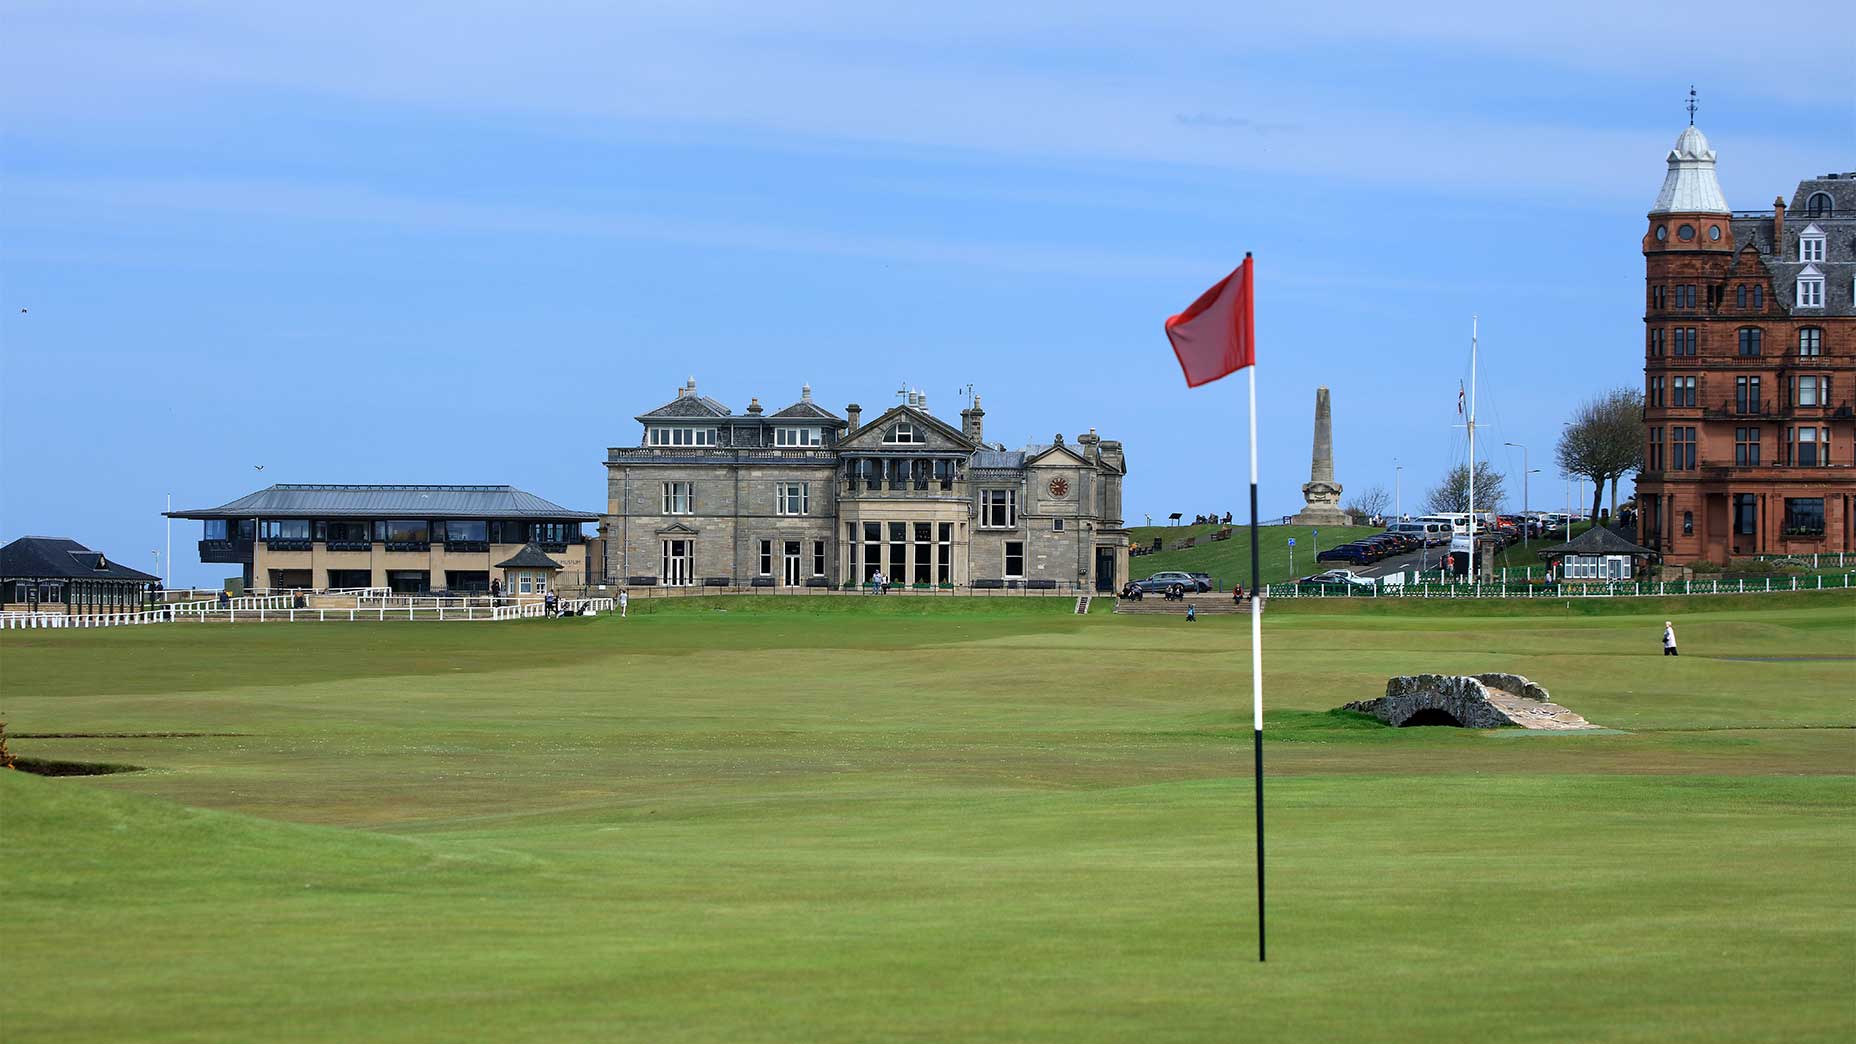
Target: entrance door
[[677, 565], [1105, 569], [790, 556]]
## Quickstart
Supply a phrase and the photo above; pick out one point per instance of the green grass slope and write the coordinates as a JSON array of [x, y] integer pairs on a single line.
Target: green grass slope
[[1228, 561]]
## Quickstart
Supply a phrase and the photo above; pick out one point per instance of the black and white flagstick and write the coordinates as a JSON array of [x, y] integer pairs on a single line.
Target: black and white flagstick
[[1256, 643]]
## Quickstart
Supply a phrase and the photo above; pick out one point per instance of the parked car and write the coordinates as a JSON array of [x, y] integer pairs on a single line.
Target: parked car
[[1160, 582], [1205, 580], [1336, 578], [1349, 553]]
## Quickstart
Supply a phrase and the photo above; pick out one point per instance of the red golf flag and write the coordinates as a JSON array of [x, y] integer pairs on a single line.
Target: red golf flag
[[1217, 334]]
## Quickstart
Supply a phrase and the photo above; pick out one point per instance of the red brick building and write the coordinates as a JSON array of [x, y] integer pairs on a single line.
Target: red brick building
[[1749, 367]]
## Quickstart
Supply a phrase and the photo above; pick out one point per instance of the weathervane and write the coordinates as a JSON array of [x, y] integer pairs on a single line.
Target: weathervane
[[1691, 105]]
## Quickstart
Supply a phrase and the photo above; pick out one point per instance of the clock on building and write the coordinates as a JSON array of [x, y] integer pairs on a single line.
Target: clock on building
[[1059, 487]]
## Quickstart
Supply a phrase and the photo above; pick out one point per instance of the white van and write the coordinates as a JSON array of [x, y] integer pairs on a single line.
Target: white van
[[1432, 533]]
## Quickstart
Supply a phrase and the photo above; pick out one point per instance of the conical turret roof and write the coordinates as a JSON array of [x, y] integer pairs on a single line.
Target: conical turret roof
[[1690, 187]]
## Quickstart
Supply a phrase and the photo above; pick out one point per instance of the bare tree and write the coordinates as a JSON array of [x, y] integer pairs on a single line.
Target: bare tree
[[1604, 442], [1368, 504], [1452, 494]]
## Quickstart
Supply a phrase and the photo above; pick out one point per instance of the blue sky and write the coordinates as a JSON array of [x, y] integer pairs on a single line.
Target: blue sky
[[421, 244]]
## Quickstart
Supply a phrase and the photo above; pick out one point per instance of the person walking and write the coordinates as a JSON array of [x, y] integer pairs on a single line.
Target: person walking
[[1669, 638], [625, 601], [1192, 614]]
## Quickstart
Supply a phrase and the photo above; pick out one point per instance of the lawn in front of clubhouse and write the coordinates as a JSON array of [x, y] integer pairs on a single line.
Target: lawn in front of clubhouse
[[853, 819]]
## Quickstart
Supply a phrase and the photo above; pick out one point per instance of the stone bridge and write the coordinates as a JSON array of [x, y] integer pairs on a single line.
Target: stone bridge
[[1471, 701]]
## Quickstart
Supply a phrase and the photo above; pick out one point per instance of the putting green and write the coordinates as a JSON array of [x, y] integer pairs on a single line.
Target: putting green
[[847, 819]]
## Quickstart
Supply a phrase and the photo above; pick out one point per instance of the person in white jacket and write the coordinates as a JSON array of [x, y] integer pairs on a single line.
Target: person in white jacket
[[1669, 638]]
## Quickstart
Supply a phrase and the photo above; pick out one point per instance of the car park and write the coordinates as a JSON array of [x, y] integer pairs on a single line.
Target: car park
[[1350, 553]]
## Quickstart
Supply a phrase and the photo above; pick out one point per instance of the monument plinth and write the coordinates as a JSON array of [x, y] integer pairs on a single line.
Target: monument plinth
[[1321, 494]]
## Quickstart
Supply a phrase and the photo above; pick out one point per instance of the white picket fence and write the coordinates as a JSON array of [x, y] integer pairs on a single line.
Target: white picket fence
[[1592, 589], [15, 620], [280, 609]]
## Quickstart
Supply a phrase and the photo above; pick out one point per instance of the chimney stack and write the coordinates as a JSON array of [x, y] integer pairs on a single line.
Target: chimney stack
[[1778, 222], [805, 393], [973, 423], [754, 407], [854, 415]]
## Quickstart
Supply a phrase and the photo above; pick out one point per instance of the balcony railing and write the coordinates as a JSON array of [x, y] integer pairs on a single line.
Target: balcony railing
[[288, 544], [348, 545], [409, 545]]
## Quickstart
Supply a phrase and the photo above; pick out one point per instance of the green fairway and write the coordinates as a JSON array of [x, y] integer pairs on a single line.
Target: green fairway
[[800, 819]]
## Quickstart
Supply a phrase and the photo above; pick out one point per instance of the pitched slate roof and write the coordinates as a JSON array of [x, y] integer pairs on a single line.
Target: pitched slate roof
[[383, 501], [1597, 540], [998, 458], [63, 558], [530, 557], [805, 409]]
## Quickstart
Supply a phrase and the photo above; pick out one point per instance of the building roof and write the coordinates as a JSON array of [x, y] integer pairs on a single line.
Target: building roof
[[687, 406], [530, 557], [1598, 540], [1690, 187], [35, 557], [1778, 250], [341, 501]]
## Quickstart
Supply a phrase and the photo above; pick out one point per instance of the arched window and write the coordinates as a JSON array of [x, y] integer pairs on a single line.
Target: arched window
[[1740, 297], [1819, 205]]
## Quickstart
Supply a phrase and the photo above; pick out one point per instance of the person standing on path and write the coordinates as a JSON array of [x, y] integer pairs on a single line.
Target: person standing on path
[[625, 601], [1669, 639]]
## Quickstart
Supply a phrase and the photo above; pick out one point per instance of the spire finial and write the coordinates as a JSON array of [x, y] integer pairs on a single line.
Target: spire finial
[[1691, 105]]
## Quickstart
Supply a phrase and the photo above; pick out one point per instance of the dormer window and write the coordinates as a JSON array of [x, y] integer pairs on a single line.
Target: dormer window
[[902, 432], [661, 435], [1819, 205], [797, 437], [1811, 245], [1810, 288]]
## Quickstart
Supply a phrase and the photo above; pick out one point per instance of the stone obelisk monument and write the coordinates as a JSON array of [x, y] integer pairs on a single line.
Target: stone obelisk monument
[[1322, 493]]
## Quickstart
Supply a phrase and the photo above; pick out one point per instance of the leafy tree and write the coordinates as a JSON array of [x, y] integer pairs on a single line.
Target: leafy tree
[[1374, 501], [1604, 442], [1452, 494]]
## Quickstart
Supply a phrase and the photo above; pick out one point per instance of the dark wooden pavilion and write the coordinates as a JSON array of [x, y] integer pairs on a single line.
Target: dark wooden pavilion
[[37, 573]]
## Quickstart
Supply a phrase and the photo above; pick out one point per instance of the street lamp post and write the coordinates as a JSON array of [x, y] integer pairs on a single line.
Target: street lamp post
[[1524, 473], [1398, 504]]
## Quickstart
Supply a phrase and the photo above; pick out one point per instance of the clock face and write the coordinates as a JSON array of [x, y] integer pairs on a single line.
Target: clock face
[[1059, 487]]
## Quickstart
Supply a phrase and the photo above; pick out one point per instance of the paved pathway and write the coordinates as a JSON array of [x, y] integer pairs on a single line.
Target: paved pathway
[[1536, 714]]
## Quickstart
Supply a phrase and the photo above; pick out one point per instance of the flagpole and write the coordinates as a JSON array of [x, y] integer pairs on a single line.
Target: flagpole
[[1256, 645]]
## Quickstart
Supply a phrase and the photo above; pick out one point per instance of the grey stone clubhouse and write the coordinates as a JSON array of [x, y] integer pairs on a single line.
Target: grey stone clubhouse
[[801, 497]]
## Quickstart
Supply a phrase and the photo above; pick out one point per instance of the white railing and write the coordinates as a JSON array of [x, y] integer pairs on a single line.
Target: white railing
[[1574, 589], [11, 620], [579, 606]]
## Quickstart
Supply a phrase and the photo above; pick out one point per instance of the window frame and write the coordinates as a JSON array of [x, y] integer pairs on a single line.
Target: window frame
[[788, 495], [1810, 342], [1008, 504], [679, 436], [679, 492], [892, 435], [789, 437], [1810, 290], [1006, 565]]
